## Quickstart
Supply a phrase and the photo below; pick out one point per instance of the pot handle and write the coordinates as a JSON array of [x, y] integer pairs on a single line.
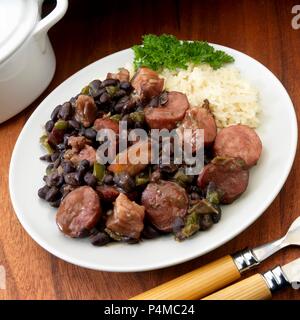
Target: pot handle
[[46, 23]]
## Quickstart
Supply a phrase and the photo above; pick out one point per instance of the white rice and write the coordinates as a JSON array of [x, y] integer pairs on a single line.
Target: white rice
[[233, 100]]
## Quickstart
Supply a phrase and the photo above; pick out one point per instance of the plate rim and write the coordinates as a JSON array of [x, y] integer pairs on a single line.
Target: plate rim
[[171, 262]]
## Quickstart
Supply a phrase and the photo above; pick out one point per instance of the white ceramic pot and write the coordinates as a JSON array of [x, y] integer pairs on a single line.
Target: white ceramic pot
[[27, 61]]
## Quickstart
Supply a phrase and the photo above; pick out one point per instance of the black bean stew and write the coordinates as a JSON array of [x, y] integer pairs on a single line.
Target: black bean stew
[[134, 201]]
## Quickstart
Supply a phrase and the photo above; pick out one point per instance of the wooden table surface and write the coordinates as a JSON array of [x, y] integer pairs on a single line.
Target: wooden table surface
[[91, 30]]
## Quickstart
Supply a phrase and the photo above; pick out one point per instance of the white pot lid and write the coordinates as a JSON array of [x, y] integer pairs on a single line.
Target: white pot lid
[[17, 20]]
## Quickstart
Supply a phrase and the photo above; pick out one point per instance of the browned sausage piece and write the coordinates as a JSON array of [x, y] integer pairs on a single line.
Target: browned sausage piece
[[168, 115], [229, 175], [79, 212], [147, 83], [164, 202], [86, 110], [106, 123], [239, 141], [127, 218], [200, 118]]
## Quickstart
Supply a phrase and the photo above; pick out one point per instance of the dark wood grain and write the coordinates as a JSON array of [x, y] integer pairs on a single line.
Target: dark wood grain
[[93, 29]]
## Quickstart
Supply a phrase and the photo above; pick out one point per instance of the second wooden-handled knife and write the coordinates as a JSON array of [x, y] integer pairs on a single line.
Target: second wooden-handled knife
[[261, 286], [220, 273]]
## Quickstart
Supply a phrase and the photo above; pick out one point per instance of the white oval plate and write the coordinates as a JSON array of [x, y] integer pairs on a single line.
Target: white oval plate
[[278, 132]]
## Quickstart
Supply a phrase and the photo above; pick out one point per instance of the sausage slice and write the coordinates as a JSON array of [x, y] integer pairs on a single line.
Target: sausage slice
[[229, 175], [127, 218], [239, 141], [168, 115], [147, 83], [79, 212], [164, 202]]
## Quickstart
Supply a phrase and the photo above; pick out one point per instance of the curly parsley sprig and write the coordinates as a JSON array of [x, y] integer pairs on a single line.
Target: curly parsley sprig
[[166, 51]]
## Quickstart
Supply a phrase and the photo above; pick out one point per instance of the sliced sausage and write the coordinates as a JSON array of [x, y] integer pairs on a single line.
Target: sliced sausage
[[164, 202], [127, 218], [106, 123], [229, 175], [79, 212], [85, 110], [239, 141], [200, 118], [147, 83], [122, 75], [168, 115], [127, 161]]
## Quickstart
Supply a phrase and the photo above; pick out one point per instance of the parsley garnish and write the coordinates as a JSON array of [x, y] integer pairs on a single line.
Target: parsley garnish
[[166, 51]]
